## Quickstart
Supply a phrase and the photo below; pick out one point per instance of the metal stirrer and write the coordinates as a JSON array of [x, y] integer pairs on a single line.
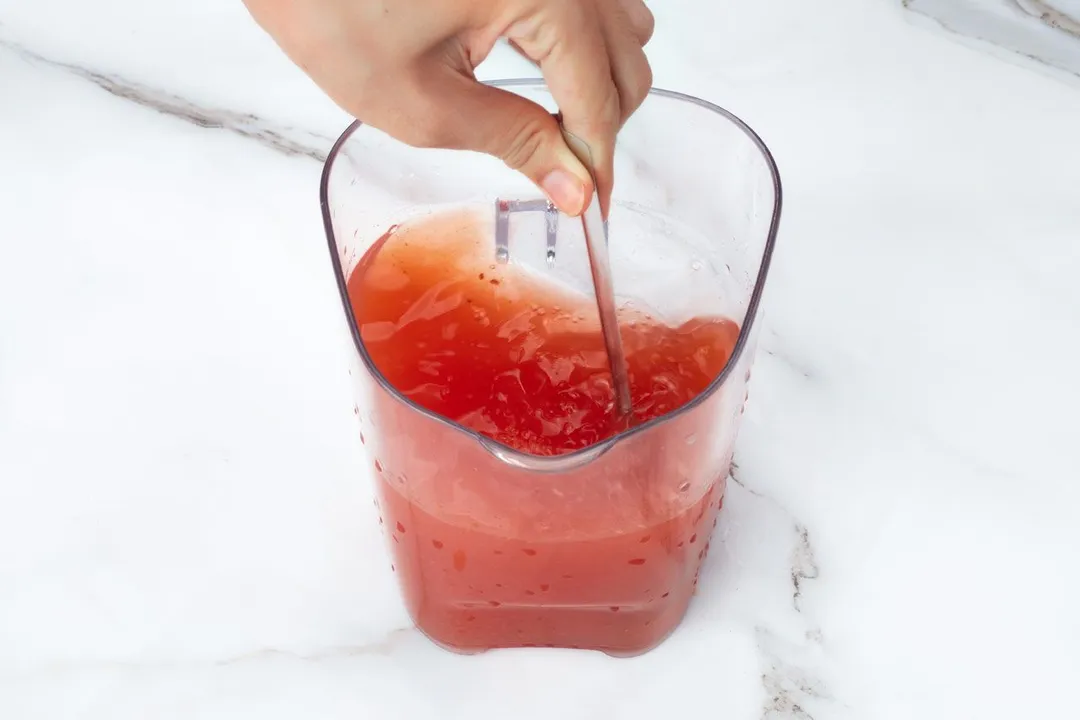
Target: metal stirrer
[[596, 240]]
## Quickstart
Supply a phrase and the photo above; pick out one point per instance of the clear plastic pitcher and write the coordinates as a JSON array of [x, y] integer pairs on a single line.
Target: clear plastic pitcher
[[599, 548]]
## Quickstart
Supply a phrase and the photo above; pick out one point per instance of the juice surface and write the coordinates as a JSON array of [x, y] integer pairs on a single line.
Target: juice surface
[[607, 560]]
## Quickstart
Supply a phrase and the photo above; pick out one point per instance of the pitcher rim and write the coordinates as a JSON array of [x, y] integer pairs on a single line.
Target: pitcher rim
[[557, 463]]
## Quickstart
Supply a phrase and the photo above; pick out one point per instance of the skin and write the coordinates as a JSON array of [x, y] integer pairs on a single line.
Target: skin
[[406, 67]]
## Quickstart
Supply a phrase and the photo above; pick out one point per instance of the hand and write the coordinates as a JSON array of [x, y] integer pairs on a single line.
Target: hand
[[406, 68]]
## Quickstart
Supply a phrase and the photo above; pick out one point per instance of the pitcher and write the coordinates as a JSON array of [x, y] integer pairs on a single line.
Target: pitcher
[[598, 547]]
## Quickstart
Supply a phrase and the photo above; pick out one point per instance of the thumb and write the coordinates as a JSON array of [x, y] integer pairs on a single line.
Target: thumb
[[521, 133]]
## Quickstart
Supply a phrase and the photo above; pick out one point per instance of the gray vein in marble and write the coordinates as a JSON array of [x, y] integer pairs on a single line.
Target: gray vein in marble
[[387, 645], [284, 139], [791, 364], [1051, 16], [384, 646], [789, 689], [1048, 37], [803, 565]]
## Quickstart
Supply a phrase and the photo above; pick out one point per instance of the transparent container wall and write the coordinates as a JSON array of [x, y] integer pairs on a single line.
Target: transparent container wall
[[600, 548]]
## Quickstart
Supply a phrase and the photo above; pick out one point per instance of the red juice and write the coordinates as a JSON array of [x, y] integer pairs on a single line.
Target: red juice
[[602, 556]]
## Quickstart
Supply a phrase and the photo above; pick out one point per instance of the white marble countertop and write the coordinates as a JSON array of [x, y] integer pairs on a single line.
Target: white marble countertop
[[186, 528]]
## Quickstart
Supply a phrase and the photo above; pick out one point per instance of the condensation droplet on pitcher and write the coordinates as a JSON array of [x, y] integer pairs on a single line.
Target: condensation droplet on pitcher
[[696, 265], [691, 438]]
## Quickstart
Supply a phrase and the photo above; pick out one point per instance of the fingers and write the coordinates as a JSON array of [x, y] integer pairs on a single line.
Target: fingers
[[629, 67], [640, 17], [641, 20], [592, 59], [458, 112], [567, 39]]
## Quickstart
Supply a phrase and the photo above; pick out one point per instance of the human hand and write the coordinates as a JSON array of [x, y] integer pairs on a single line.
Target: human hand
[[406, 68]]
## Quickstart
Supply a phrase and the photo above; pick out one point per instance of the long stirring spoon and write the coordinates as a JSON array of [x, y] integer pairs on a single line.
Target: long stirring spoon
[[596, 241]]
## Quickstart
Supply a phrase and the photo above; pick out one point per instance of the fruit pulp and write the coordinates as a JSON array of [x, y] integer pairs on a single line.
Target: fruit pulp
[[605, 557]]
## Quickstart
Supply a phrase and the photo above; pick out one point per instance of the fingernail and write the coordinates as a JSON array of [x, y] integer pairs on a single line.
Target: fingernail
[[565, 190]]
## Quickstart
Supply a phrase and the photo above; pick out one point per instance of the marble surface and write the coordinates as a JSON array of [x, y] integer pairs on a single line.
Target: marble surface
[[186, 528], [1044, 32]]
